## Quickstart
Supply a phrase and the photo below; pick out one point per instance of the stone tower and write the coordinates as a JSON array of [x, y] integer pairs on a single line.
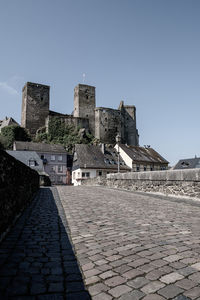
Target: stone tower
[[85, 103], [131, 136], [35, 106]]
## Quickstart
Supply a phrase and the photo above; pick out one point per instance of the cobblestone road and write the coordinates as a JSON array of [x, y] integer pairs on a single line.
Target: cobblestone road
[[128, 246], [36, 258], [132, 246]]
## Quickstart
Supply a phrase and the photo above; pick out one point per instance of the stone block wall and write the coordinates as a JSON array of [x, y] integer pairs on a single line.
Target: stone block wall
[[18, 184], [175, 182]]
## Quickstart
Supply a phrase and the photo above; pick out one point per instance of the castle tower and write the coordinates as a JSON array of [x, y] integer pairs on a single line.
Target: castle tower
[[85, 103], [130, 130], [35, 106]]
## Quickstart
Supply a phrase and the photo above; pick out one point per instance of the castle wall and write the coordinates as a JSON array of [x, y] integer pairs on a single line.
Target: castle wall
[[68, 120], [84, 104], [107, 124], [35, 106]]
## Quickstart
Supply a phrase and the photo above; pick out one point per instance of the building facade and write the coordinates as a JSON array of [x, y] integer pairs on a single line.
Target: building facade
[[54, 159]]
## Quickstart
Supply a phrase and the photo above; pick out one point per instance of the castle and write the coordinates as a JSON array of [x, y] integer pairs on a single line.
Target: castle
[[103, 123]]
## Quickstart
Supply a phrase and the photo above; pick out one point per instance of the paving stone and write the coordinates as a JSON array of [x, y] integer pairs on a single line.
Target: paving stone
[[186, 284], [171, 278], [138, 282], [97, 289], [172, 258], [152, 287], [119, 290], [37, 288], [196, 266], [187, 271], [92, 280], [170, 291], [102, 296], [195, 277], [107, 274], [193, 293], [132, 274], [114, 281], [182, 297], [134, 295], [153, 297], [56, 287]]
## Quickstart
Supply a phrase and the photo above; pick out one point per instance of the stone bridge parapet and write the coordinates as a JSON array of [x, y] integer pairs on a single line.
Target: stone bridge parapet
[[174, 182]]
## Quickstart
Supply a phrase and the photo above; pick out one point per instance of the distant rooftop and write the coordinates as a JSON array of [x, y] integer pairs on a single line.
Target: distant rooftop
[[190, 163], [90, 156], [141, 154], [38, 147]]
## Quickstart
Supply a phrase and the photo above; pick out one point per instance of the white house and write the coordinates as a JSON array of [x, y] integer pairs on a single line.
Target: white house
[[141, 158], [91, 161]]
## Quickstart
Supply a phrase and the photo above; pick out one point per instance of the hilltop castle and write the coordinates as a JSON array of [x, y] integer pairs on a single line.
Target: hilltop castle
[[103, 123]]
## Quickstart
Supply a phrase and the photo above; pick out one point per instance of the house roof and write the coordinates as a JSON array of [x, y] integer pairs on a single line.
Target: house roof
[[190, 163], [7, 122], [39, 147], [26, 156], [141, 154], [90, 156]]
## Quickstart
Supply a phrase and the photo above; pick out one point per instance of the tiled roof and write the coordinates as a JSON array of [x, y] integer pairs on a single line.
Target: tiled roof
[[90, 156], [39, 147], [26, 156], [141, 154], [190, 163]]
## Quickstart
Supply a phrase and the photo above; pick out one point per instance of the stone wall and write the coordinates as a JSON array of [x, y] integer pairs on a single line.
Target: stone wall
[[18, 184], [175, 182]]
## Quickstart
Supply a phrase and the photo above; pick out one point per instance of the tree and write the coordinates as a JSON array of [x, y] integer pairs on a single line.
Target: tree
[[12, 133], [65, 134]]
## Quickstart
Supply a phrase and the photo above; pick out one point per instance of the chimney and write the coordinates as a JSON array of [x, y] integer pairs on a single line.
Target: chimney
[[103, 148]]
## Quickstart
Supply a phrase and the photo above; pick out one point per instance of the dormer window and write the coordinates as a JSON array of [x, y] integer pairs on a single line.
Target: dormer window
[[32, 163]]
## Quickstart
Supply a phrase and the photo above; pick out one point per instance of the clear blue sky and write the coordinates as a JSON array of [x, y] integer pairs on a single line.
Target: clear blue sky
[[145, 52]]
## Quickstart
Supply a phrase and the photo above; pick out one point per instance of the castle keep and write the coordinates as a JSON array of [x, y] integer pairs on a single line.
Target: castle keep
[[103, 123]]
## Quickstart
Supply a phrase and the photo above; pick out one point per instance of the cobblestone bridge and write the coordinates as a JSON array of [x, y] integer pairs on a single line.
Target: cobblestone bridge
[[79, 243]]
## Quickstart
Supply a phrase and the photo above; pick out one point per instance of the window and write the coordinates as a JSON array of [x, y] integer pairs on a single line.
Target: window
[[53, 168], [86, 174], [99, 173], [42, 156], [52, 177], [145, 168], [60, 179], [60, 158], [60, 169], [31, 163], [137, 168], [53, 157]]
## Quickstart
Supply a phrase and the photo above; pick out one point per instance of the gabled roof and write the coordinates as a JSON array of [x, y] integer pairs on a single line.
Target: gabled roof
[[27, 156], [7, 122], [39, 147], [190, 163], [141, 154], [90, 156]]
